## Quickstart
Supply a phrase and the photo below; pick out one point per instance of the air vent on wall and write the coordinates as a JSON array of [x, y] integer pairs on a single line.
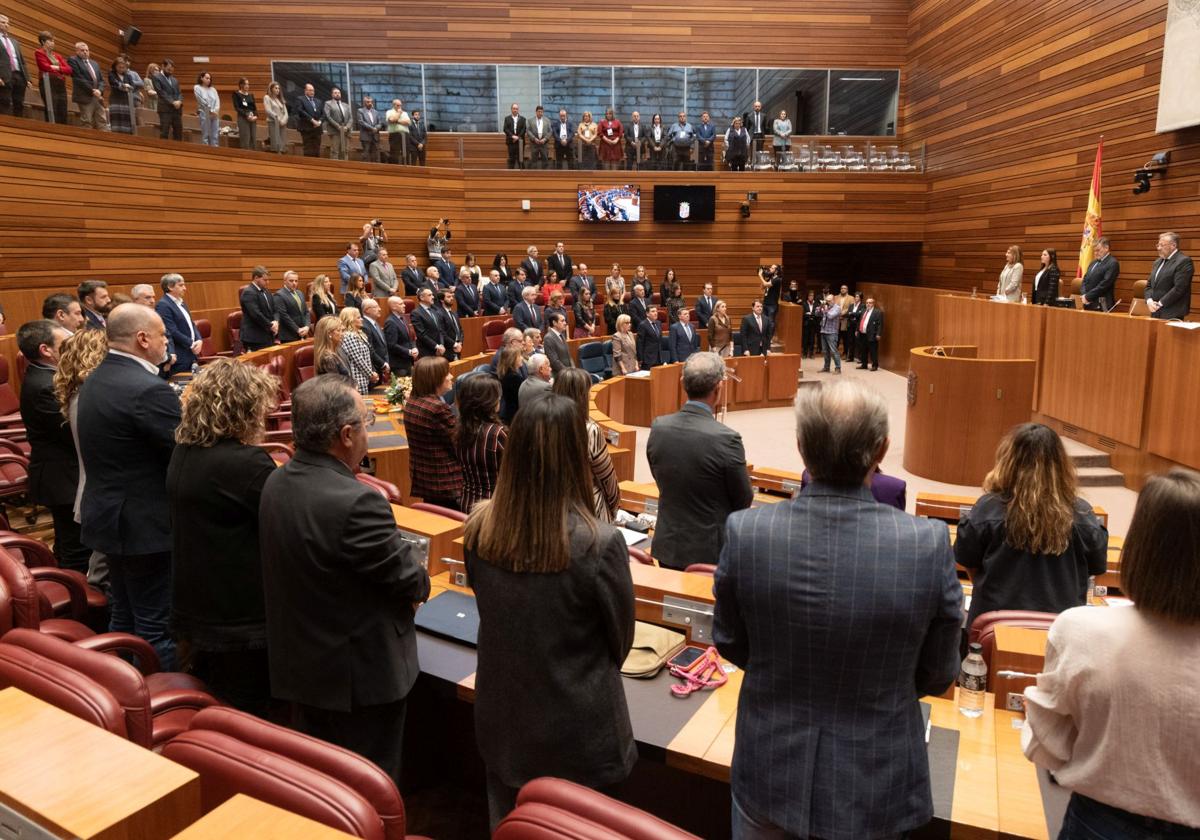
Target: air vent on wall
[[1106, 443]]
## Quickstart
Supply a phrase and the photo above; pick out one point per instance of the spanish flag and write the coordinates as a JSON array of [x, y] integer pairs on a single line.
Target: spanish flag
[[1092, 224]]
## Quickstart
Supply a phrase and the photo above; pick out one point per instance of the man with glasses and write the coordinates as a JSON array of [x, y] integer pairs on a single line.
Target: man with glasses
[[340, 583]]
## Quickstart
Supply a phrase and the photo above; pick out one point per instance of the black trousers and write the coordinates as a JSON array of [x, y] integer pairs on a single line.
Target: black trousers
[[12, 96], [374, 732], [241, 678], [564, 156], [809, 338], [868, 348], [312, 142], [170, 124], [514, 155], [68, 549], [370, 148], [397, 152], [705, 163]]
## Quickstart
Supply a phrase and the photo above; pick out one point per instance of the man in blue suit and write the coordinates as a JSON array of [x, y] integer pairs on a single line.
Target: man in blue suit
[[495, 296], [683, 339], [181, 329], [843, 613], [1100, 279], [447, 273]]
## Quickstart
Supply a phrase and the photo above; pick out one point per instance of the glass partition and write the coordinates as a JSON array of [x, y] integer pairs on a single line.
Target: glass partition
[[522, 85], [863, 102], [724, 92], [385, 82], [801, 93], [460, 97], [577, 89], [649, 90]]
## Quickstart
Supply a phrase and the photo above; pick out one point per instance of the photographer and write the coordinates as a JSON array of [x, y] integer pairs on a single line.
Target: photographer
[[373, 238], [771, 278], [439, 235]]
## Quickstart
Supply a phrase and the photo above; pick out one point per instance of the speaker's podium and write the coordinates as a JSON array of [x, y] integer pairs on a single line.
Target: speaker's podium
[[959, 407]]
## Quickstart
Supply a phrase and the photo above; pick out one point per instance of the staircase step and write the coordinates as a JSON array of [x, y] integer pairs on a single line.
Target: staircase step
[[1100, 477], [1082, 455]]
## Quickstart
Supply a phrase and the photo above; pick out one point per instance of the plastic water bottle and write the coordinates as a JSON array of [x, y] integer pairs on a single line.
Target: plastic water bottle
[[972, 682], [1024, 299], [195, 368]]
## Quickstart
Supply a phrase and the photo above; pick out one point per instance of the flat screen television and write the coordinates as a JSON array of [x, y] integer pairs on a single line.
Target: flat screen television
[[685, 204], [609, 203]]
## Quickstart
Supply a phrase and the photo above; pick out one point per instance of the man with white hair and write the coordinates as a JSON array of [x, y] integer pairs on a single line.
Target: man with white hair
[[538, 383], [402, 351], [699, 465], [528, 315], [843, 613], [126, 425], [291, 309]]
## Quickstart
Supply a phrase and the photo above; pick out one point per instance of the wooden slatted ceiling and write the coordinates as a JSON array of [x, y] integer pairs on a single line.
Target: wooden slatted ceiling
[[1011, 98], [82, 204]]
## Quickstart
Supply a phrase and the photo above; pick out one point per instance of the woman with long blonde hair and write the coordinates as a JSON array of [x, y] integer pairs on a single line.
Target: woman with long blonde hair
[[79, 355], [326, 340], [1030, 542], [355, 351], [322, 299]]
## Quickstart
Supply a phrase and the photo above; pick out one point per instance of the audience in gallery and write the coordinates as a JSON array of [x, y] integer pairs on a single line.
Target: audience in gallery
[[1112, 716], [214, 485], [481, 437], [355, 351], [54, 71], [1030, 542], [699, 465], [801, 767], [552, 584], [576, 385], [431, 428]]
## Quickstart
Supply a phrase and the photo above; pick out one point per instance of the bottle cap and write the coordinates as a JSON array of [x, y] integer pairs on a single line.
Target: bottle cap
[[975, 647]]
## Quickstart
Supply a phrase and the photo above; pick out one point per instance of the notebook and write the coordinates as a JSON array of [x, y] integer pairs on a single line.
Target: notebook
[[451, 615]]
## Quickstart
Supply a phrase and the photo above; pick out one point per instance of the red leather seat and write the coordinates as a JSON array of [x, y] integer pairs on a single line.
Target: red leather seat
[[22, 605], [61, 686], [15, 445], [493, 333], [640, 556], [234, 322], [548, 809], [10, 405], [702, 569], [66, 593], [156, 707], [235, 752], [208, 347], [983, 629], [280, 453], [22, 366], [440, 511], [14, 475], [304, 363], [386, 489]]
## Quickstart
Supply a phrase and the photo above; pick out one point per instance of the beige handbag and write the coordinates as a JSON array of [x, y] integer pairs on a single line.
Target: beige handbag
[[652, 647]]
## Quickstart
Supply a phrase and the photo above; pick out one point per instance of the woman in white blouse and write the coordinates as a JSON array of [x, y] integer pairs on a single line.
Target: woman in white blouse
[[277, 117], [1113, 715], [208, 103], [1009, 286]]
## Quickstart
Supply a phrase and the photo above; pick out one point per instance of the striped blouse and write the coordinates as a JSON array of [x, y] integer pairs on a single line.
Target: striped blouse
[[606, 492], [357, 354], [480, 461]]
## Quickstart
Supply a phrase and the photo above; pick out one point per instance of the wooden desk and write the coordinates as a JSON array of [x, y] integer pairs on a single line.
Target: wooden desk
[[1016, 649], [750, 391], [244, 816], [776, 481], [950, 507], [998, 330], [635, 406], [440, 531], [80, 781], [1174, 399], [666, 390]]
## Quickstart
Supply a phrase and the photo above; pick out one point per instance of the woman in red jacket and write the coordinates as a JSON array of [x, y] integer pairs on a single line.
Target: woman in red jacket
[[54, 71]]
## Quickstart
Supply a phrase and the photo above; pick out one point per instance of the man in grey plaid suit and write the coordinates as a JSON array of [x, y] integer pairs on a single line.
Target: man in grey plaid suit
[[843, 612]]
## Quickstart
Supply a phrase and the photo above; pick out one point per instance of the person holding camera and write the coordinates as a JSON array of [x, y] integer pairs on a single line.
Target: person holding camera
[[771, 278], [439, 235], [372, 239]]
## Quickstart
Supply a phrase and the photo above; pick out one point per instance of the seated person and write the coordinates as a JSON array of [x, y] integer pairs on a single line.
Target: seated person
[[1030, 543], [887, 489]]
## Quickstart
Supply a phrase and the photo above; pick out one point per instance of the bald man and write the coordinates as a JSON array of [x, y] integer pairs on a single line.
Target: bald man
[[126, 424]]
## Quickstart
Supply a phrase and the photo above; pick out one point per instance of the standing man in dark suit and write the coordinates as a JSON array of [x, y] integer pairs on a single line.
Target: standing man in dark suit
[[635, 141], [260, 326], [758, 124], [868, 331], [467, 297], [514, 133], [340, 583], [170, 102], [638, 306], [516, 290], [126, 426], [808, 594], [700, 468], [376, 341], [649, 340], [1169, 291], [411, 275], [451, 328], [705, 305], [560, 261], [811, 325], [14, 76], [580, 281], [53, 466], [539, 139], [291, 310], [495, 296], [534, 268], [427, 326], [369, 125], [87, 87], [181, 329], [527, 314], [757, 330], [417, 139], [683, 339], [1100, 279], [310, 116], [96, 303], [402, 352], [564, 141], [554, 345], [706, 135], [447, 272]]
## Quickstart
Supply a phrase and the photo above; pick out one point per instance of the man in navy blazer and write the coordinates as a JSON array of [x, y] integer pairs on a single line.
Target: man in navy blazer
[[260, 324], [705, 304], [181, 329], [683, 339], [843, 613], [447, 272], [649, 340], [495, 296], [1100, 279], [466, 297], [401, 349], [527, 314]]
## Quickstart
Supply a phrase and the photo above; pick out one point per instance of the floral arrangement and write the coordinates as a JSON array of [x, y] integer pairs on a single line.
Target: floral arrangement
[[398, 390]]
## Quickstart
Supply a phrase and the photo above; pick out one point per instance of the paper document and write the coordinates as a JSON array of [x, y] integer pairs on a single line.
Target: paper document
[[1184, 325], [632, 537]]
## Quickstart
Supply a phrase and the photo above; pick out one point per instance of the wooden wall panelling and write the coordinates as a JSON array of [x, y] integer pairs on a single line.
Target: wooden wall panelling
[[1011, 97], [909, 320], [1174, 412], [1102, 370], [93, 21]]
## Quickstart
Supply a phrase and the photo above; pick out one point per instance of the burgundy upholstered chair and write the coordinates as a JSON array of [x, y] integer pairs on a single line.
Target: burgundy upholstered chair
[[637, 555], [493, 333], [440, 511], [235, 752], [10, 405], [554, 809], [234, 322], [65, 592], [304, 363], [208, 347], [983, 629], [61, 686], [24, 605], [386, 489]]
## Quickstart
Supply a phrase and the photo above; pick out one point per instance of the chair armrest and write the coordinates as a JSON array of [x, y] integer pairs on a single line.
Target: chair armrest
[[74, 582], [11, 420], [14, 433], [146, 656], [181, 698]]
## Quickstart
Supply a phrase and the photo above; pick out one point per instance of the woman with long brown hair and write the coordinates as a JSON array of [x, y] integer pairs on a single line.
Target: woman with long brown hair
[[79, 355], [432, 457], [576, 384], [556, 613], [481, 437], [1030, 542], [720, 330]]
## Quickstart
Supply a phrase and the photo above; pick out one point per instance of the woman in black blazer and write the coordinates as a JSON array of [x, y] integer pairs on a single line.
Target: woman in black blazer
[[322, 299], [1045, 282], [214, 483], [500, 263], [555, 602]]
